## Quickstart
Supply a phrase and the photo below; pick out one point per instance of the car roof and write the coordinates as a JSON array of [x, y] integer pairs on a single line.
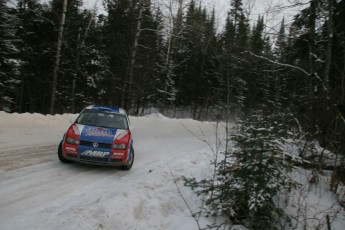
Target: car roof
[[106, 108]]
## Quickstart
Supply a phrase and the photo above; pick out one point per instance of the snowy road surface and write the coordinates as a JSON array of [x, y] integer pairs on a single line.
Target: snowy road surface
[[39, 192]]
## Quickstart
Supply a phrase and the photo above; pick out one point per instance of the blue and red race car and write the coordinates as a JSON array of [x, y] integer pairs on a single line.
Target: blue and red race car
[[100, 135]]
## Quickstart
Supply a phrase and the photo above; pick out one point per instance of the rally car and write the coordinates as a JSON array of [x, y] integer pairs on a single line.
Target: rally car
[[100, 135]]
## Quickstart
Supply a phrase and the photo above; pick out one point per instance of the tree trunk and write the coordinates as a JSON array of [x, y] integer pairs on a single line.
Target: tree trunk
[[57, 58], [79, 48], [176, 25], [311, 45], [167, 64], [133, 55], [330, 31], [341, 107]]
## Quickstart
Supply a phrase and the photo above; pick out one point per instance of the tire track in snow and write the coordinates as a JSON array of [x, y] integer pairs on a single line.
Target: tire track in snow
[[16, 158], [33, 177]]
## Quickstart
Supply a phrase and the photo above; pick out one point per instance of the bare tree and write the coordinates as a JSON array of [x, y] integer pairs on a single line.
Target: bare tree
[[175, 25], [57, 57], [311, 43], [131, 64], [81, 45], [330, 31]]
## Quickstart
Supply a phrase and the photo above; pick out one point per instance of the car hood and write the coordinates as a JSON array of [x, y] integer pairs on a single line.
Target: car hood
[[98, 134]]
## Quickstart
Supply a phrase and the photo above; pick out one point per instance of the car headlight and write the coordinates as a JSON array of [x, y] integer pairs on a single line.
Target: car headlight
[[70, 140], [119, 146]]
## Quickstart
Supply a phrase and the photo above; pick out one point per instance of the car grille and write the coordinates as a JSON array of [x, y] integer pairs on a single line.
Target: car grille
[[72, 155], [116, 160], [100, 145], [94, 159]]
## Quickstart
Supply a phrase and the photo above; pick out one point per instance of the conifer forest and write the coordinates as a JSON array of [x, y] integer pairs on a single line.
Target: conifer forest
[[57, 57]]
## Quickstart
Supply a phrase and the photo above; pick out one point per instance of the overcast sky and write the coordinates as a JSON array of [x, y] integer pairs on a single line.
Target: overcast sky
[[270, 9], [253, 8]]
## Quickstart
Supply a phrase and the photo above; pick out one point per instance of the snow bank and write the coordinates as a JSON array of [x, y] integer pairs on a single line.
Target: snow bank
[[156, 116], [17, 130]]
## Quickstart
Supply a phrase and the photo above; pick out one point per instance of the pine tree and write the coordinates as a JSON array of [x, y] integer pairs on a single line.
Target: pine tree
[[257, 173], [228, 46], [163, 90], [10, 62], [168, 78], [189, 59], [147, 57], [242, 36], [57, 57], [212, 64], [337, 71], [132, 35], [262, 86], [236, 12], [196, 72], [257, 38], [280, 48], [252, 175], [235, 41], [119, 34], [92, 70], [37, 33]]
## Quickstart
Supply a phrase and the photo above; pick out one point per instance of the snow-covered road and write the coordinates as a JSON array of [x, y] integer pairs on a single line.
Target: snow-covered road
[[39, 192]]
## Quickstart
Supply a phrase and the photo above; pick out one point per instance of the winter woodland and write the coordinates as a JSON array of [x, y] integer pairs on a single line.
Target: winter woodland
[[280, 95]]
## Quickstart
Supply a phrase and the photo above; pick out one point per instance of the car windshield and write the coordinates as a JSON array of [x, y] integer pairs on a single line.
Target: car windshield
[[103, 119]]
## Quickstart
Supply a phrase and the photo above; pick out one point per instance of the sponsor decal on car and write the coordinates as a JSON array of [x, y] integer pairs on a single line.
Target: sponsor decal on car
[[98, 132], [95, 153]]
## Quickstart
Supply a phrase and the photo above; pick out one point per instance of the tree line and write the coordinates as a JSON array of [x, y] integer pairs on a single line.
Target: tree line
[[135, 57], [130, 58]]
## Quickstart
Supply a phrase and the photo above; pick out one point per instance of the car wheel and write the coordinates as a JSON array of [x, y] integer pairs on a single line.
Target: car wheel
[[62, 159], [130, 162]]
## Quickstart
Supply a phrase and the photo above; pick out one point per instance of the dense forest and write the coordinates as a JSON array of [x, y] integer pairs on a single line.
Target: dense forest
[[132, 57], [59, 57]]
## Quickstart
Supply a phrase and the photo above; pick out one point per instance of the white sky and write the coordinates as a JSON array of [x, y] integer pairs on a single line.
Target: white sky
[[270, 9]]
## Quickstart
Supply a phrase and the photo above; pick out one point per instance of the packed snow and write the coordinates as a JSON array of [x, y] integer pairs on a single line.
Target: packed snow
[[37, 191]]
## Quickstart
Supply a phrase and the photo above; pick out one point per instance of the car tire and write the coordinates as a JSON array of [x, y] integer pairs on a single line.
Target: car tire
[[61, 158], [130, 163]]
